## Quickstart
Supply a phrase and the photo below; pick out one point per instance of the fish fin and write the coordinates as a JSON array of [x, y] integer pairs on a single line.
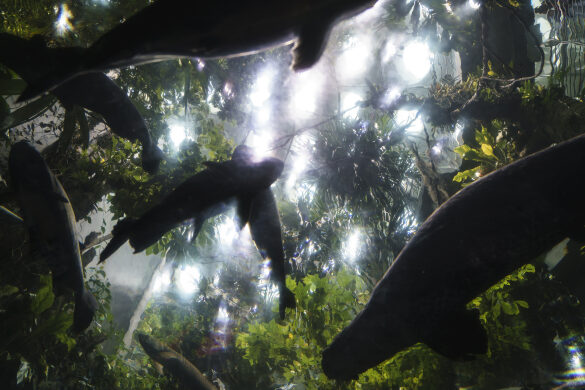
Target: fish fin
[[460, 337], [243, 208], [310, 45], [120, 233], [287, 300], [151, 158], [196, 227], [85, 307]]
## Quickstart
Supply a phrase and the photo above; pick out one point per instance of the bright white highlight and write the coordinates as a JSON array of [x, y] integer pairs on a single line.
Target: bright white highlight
[[306, 88], [349, 104], [262, 88], [473, 4], [161, 282], [416, 61], [227, 232], [188, 279], [407, 118], [352, 245], [389, 51], [63, 23], [391, 96], [177, 134], [354, 60], [261, 143], [544, 26]]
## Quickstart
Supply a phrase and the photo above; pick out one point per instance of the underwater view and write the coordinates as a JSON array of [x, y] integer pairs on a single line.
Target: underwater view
[[310, 194]]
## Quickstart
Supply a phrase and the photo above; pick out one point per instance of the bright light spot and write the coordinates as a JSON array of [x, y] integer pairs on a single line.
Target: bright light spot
[[260, 143], [113, 74], [354, 60], [544, 26], [262, 88], [436, 150], [162, 281], [188, 279], [407, 118], [265, 270], [391, 95], [349, 103], [458, 133], [416, 60], [200, 65], [306, 88], [352, 245], [63, 22], [228, 89], [300, 161], [227, 232], [222, 314], [263, 115], [389, 51], [474, 4], [177, 134]]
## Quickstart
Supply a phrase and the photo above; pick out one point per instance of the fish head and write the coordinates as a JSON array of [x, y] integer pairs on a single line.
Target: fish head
[[151, 346], [270, 168]]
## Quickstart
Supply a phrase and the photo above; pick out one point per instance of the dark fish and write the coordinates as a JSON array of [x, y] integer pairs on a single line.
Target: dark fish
[[483, 233], [219, 183], [49, 218], [175, 364], [184, 28], [93, 91], [261, 213]]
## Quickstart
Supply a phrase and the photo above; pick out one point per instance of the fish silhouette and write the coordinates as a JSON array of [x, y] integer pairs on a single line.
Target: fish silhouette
[[219, 183], [175, 364], [225, 28], [94, 91], [49, 218], [481, 234]]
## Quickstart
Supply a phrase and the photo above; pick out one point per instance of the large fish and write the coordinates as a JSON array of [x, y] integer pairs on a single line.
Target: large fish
[[261, 213], [219, 183], [94, 91], [210, 29], [483, 233], [175, 364], [49, 218]]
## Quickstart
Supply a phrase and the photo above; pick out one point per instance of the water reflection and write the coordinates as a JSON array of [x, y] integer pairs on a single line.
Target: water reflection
[[571, 349]]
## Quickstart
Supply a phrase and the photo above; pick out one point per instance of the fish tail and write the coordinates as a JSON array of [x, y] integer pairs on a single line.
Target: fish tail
[[85, 307], [120, 233], [151, 158], [287, 300]]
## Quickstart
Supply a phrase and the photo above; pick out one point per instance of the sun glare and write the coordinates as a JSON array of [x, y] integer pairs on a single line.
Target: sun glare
[[177, 134], [63, 23], [355, 58], [306, 88], [416, 61], [187, 279], [352, 245], [407, 118]]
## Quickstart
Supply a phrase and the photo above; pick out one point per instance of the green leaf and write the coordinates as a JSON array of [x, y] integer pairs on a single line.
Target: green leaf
[[68, 130], [44, 297], [83, 126], [487, 150]]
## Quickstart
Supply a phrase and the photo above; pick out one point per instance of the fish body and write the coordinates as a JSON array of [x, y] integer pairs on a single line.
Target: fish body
[[175, 364], [266, 232], [49, 218], [224, 28], [94, 91], [483, 233], [219, 183]]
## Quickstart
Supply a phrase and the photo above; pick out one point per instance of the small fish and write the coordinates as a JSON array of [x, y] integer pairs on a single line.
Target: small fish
[[483, 233], [175, 364], [49, 218], [94, 91], [219, 183], [227, 28]]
